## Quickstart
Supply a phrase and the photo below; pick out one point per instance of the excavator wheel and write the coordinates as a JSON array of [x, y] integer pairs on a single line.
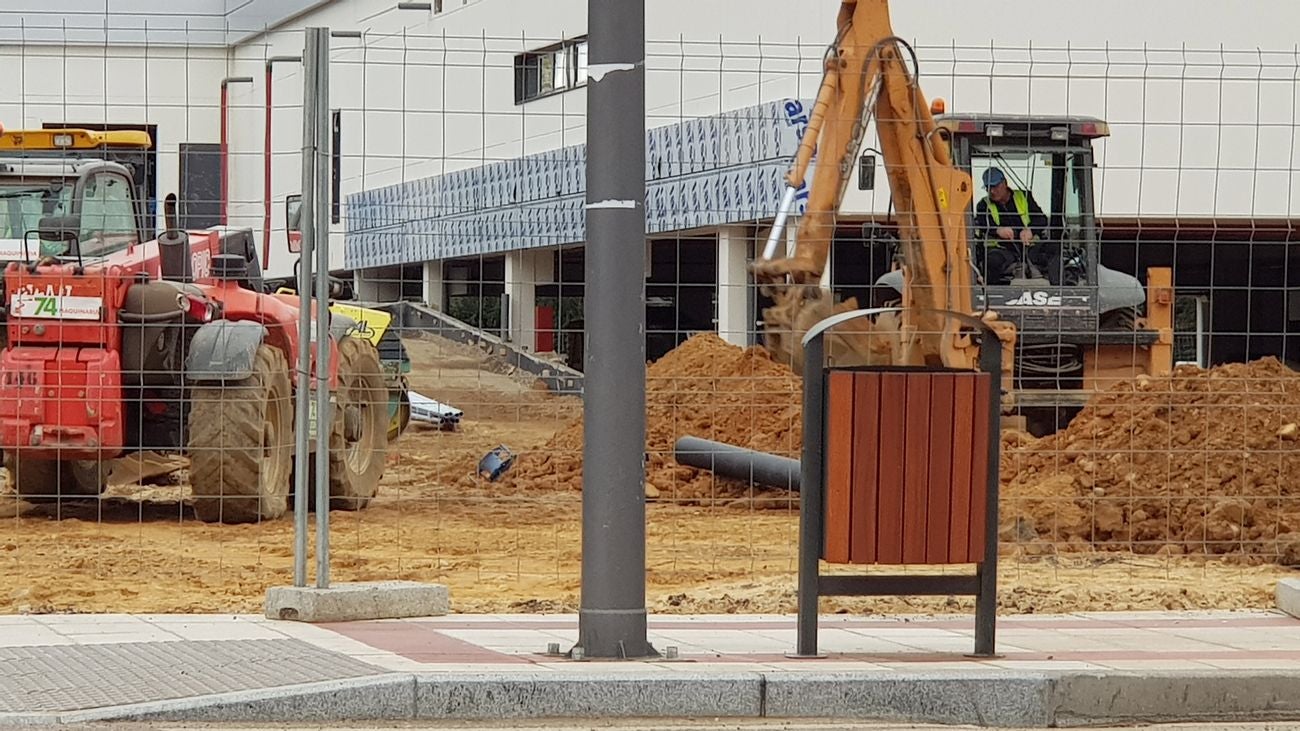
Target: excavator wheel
[[45, 480], [241, 444], [359, 429], [1122, 319]]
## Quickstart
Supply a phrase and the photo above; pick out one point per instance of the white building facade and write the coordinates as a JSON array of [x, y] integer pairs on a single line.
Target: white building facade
[[461, 126]]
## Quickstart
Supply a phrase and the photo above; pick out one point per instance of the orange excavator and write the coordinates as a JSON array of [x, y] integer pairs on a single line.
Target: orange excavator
[[1067, 332]]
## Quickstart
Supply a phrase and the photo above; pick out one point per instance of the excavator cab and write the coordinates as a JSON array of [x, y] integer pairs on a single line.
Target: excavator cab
[[1067, 307], [1059, 283]]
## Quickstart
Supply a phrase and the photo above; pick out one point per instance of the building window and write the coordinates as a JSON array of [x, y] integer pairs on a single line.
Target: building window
[[551, 70]]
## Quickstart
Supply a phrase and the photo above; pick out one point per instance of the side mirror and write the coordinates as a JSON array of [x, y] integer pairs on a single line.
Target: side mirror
[[336, 285], [293, 222], [59, 228]]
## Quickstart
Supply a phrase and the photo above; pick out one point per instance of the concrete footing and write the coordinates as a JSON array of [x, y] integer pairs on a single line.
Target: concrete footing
[[358, 601], [1288, 596]]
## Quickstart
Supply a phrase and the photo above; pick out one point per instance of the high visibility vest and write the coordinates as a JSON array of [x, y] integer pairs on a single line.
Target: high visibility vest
[[1022, 207]]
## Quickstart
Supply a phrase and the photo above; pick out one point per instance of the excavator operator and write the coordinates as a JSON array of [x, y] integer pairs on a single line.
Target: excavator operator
[[1009, 222]]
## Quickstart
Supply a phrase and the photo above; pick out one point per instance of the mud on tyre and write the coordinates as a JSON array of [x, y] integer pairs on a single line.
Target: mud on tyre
[[241, 443]]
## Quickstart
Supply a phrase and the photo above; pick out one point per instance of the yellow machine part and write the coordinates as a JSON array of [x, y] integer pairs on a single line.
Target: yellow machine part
[[73, 139], [371, 324]]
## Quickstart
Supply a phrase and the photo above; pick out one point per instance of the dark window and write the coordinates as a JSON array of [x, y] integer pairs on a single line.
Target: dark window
[[551, 70]]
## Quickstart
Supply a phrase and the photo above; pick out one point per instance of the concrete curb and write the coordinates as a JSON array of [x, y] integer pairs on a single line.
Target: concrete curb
[[1089, 699], [622, 694], [981, 697]]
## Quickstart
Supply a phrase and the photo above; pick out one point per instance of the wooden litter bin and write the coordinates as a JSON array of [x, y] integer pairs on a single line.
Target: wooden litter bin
[[899, 468]]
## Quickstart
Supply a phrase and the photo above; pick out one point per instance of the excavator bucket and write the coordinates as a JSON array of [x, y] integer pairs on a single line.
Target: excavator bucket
[[799, 308]]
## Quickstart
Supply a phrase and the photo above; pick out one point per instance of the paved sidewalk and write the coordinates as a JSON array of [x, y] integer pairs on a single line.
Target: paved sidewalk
[[1077, 668]]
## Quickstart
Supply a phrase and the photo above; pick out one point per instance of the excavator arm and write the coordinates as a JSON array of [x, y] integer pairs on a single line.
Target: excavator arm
[[867, 76]]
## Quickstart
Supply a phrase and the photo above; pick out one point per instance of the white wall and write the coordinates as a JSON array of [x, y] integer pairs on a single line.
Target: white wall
[[433, 93], [176, 88], [1196, 131]]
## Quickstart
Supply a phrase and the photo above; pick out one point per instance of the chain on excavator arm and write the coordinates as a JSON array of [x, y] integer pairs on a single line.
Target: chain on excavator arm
[[866, 75]]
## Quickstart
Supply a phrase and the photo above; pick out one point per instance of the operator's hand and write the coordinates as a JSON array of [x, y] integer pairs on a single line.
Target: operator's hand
[[1005, 233], [1026, 237]]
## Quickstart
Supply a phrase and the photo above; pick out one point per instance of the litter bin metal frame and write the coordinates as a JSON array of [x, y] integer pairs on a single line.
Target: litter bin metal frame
[[812, 585]]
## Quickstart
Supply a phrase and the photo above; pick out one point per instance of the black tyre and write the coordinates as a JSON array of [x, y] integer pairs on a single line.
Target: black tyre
[[43, 480], [241, 444]]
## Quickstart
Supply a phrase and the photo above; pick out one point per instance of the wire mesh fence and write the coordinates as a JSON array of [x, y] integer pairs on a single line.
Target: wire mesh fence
[[457, 185]]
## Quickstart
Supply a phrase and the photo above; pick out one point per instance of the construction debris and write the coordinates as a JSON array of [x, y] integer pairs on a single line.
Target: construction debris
[[495, 463], [429, 411]]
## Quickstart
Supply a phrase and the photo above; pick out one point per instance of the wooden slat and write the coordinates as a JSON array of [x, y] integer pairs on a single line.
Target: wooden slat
[[979, 466], [839, 465], [962, 439], [889, 519], [916, 467], [866, 447], [939, 502]]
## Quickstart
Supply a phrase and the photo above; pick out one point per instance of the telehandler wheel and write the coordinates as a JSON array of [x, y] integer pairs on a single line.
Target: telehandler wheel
[[359, 428], [241, 444], [43, 480]]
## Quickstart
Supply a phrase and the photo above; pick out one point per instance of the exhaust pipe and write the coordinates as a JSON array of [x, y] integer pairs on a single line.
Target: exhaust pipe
[[169, 212], [738, 463]]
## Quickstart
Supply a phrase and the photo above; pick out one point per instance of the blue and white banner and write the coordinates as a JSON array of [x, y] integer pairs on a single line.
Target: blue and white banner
[[727, 168]]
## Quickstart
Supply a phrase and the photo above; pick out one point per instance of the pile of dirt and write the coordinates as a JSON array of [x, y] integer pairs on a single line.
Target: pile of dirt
[[1200, 462], [705, 388]]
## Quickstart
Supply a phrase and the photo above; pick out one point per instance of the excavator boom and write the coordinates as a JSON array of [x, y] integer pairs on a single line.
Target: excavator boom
[[867, 76]]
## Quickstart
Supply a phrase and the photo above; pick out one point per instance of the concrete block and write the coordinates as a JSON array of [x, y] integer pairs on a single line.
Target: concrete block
[[1288, 596], [1116, 697], [624, 694], [978, 697], [363, 600]]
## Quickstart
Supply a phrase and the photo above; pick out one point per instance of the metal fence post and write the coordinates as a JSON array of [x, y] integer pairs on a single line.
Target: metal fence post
[[321, 111], [302, 454], [612, 615]]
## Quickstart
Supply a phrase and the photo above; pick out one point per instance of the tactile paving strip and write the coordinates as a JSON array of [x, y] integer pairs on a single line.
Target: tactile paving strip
[[77, 677]]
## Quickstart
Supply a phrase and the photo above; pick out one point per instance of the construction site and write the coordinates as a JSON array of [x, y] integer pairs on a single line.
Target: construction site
[[1148, 397], [1168, 493]]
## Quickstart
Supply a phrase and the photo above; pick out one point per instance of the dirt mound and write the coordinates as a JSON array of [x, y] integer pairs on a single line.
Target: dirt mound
[[705, 388], [1200, 462]]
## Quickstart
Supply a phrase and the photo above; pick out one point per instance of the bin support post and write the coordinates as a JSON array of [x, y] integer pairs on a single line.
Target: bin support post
[[986, 604], [810, 500]]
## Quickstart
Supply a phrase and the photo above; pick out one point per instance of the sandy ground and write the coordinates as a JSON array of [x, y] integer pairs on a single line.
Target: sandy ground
[[140, 550]]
